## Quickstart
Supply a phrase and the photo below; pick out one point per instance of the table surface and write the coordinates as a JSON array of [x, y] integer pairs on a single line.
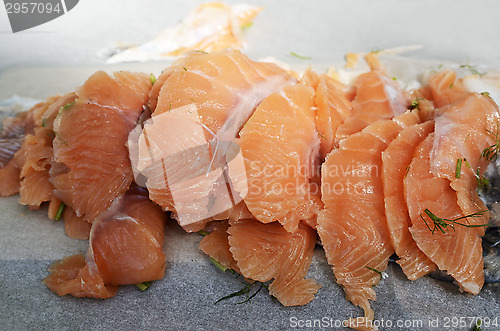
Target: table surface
[[61, 54]]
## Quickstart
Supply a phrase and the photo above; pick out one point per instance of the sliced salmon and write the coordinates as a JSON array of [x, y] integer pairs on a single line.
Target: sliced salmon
[[280, 147], [353, 227], [396, 161], [216, 245], [333, 107], [90, 168], [199, 105], [465, 141], [377, 96], [267, 251], [125, 248], [457, 251], [12, 134], [445, 88]]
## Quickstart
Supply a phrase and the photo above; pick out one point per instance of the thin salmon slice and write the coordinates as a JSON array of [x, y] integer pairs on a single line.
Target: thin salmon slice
[[12, 134], [445, 88], [216, 245], [396, 161], [333, 107], [377, 97], [267, 251], [90, 169], [458, 251], [353, 227], [204, 100], [125, 248], [280, 147], [466, 134]]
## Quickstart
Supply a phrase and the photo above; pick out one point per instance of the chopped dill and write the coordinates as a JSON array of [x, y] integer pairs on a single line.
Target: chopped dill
[[375, 270], [143, 286], [43, 123], [203, 233], [319, 134], [60, 211], [478, 326], [152, 78], [414, 103], [472, 69], [451, 85], [458, 168], [442, 224], [300, 56], [482, 182], [66, 106], [185, 69], [376, 50], [486, 94], [394, 78], [246, 26], [407, 170], [220, 266]]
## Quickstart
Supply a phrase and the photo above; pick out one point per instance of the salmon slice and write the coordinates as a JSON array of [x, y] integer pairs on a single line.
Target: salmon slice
[[395, 164], [280, 148], [445, 88], [35, 187], [458, 251], [267, 251], [465, 141], [90, 168], [125, 248], [199, 105], [12, 134], [75, 227], [377, 97], [353, 227], [333, 107], [216, 245]]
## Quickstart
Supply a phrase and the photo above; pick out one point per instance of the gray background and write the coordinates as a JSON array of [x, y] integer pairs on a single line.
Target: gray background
[[59, 55]]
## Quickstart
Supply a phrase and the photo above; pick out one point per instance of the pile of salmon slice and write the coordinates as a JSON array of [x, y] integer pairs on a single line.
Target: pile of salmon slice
[[267, 163]]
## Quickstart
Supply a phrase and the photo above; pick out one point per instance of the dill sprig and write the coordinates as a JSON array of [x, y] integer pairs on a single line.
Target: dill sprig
[[375, 270], [458, 168], [300, 56], [60, 211], [152, 78], [245, 290], [442, 224], [144, 285], [66, 106], [203, 233], [220, 266], [472, 70], [414, 103], [491, 153]]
